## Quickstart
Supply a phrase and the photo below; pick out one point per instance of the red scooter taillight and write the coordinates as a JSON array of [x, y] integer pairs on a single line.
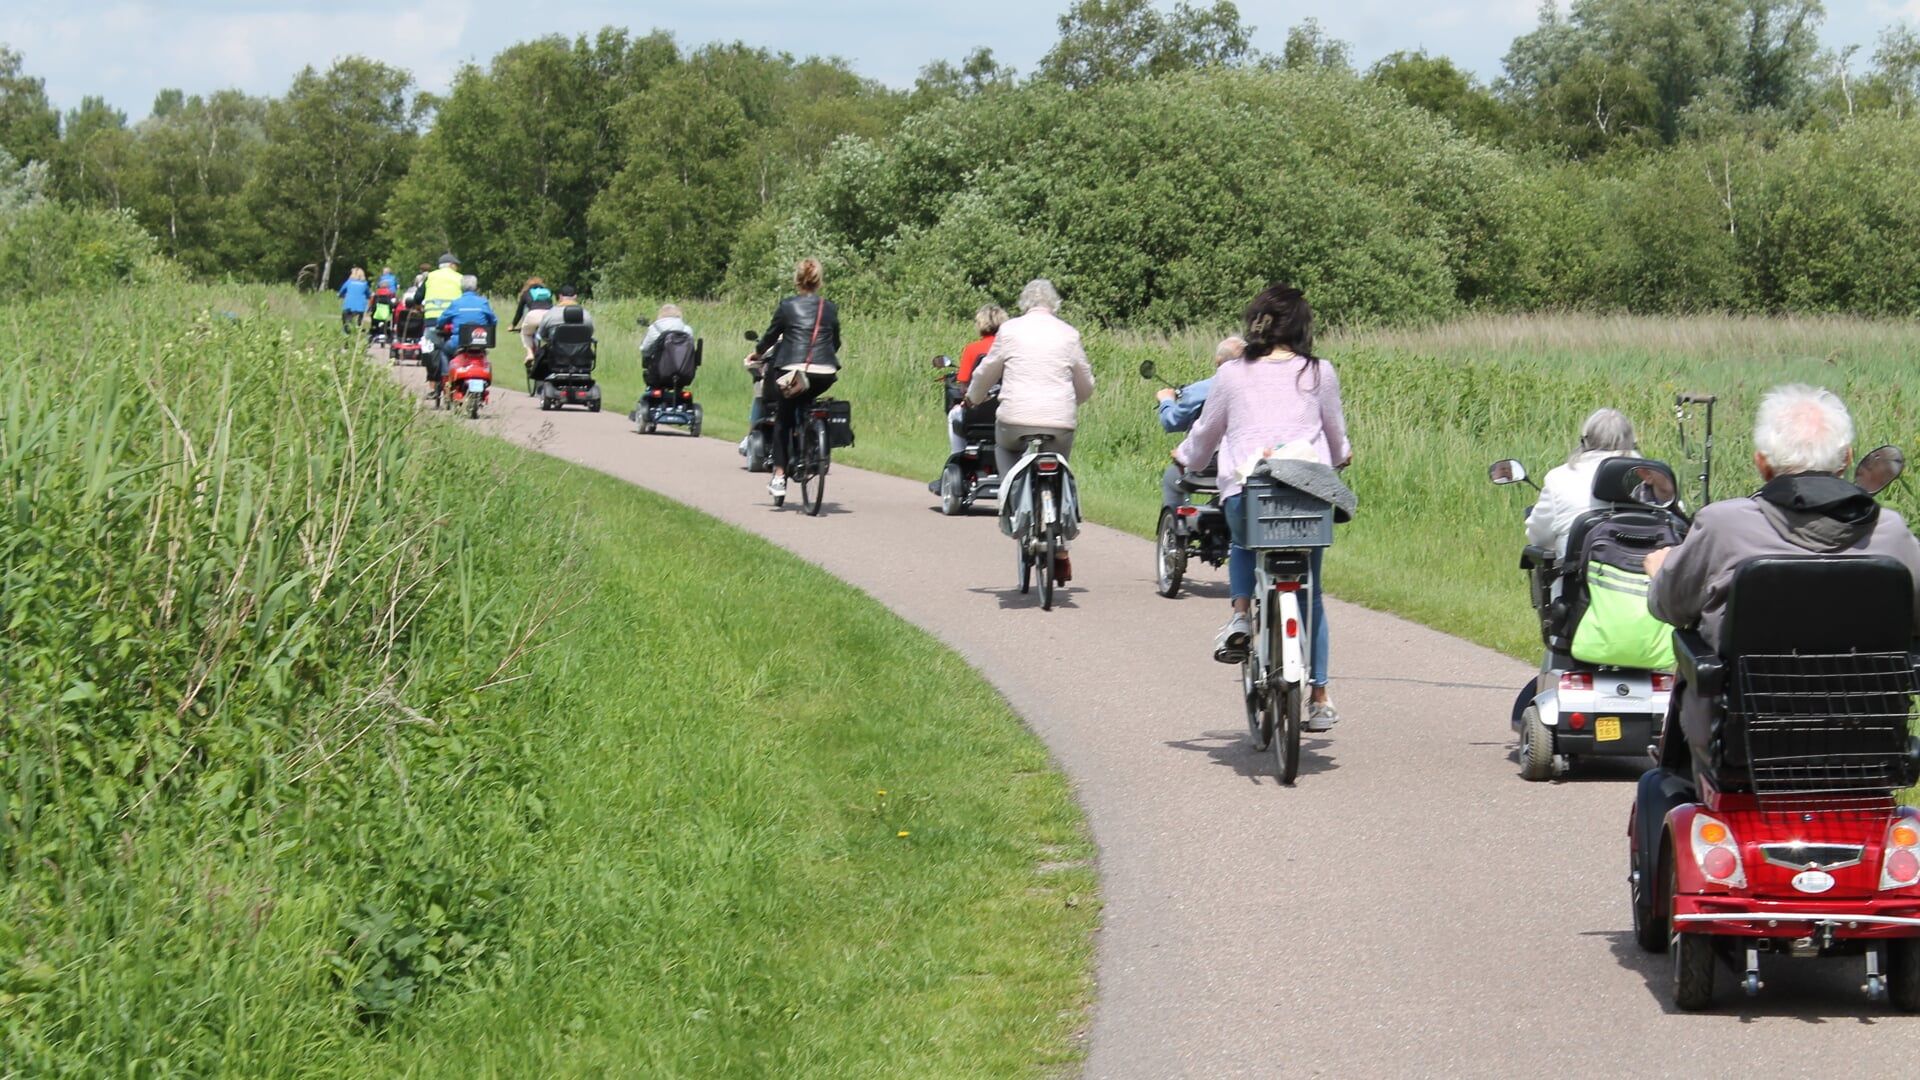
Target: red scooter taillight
[[1716, 852], [1900, 865]]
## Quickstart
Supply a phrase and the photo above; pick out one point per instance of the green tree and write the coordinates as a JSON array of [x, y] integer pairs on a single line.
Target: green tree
[[336, 144], [29, 126], [1309, 46], [682, 192], [193, 157], [979, 73], [1436, 85], [95, 157], [1121, 39]]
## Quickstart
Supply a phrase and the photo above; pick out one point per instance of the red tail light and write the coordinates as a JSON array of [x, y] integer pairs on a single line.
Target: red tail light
[[1287, 586], [1293, 628], [1577, 680], [1187, 511], [1662, 684], [1048, 465], [1578, 721]]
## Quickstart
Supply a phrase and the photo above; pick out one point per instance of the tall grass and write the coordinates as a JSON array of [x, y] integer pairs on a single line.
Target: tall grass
[[339, 741], [1428, 409]]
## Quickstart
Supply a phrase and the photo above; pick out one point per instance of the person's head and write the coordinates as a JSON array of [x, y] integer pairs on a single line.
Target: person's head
[[1606, 429], [807, 275], [1801, 429], [568, 294], [1230, 348], [385, 270], [449, 260], [988, 319], [669, 311], [1039, 295], [425, 269], [1279, 319], [357, 274], [469, 283], [531, 282]]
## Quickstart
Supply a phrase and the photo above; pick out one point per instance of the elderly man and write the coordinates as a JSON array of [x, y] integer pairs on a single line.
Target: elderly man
[[1803, 441], [467, 309], [1180, 408]]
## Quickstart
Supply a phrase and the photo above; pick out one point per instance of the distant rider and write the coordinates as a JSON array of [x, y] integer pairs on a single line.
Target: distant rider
[[439, 290], [1567, 491], [388, 281], [354, 296], [556, 316], [1180, 408], [535, 301], [987, 322], [467, 309], [801, 343]]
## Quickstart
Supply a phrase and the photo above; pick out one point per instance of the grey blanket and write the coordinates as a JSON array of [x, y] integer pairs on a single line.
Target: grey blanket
[[1317, 480]]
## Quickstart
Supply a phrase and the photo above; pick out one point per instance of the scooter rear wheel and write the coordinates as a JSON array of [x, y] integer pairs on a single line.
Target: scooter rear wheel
[[1536, 746], [952, 490], [1170, 555]]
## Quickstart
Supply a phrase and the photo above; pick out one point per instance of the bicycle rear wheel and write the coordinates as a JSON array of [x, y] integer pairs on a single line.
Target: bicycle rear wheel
[[1047, 554], [813, 482], [1287, 701]]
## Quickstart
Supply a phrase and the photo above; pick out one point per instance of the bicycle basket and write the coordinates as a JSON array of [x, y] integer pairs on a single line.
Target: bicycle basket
[[1277, 516]]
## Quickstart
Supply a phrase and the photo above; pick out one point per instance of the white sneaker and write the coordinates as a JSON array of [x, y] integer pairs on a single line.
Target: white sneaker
[[777, 487], [1231, 646], [1321, 716], [743, 447]]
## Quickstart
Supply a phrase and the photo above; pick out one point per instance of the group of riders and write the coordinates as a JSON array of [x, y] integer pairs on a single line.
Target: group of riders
[[1269, 393]]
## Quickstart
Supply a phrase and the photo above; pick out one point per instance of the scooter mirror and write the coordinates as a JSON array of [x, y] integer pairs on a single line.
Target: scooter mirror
[[751, 336], [1655, 488], [1879, 468], [1506, 472], [1148, 371], [942, 362]]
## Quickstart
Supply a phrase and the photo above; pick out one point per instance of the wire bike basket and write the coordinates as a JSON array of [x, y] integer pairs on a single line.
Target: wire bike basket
[[1276, 515]]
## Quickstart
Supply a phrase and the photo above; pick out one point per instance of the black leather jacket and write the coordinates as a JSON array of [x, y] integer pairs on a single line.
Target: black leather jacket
[[792, 329]]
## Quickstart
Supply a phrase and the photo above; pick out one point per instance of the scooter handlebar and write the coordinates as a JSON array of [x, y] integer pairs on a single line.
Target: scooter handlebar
[[1697, 399]]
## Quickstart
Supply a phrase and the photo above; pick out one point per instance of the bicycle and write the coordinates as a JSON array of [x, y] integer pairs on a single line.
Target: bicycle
[[810, 455], [1039, 544], [1284, 527]]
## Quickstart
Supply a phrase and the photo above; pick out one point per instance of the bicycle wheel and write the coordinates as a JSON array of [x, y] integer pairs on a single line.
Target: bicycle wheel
[[1259, 716], [1047, 555], [1026, 563], [1287, 702], [813, 482]]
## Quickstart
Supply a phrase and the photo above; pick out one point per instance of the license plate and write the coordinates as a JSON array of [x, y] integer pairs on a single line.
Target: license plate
[[1606, 729]]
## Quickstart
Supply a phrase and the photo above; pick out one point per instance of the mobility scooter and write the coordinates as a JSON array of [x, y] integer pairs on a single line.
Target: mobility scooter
[[562, 371], [669, 372], [972, 473], [1607, 670], [1788, 838]]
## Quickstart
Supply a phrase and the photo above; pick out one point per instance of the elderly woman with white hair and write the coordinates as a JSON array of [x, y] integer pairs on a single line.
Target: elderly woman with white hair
[[1043, 375], [1567, 491]]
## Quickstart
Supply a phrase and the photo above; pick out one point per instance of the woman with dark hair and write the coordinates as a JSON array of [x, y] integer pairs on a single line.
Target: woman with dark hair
[[804, 340], [1279, 395]]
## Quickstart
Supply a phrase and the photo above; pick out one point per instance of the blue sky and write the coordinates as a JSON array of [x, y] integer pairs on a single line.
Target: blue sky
[[126, 51]]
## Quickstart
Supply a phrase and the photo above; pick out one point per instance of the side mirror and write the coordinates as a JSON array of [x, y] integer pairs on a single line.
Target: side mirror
[[1879, 468], [1655, 488], [1148, 371], [1509, 471], [942, 362], [751, 336]]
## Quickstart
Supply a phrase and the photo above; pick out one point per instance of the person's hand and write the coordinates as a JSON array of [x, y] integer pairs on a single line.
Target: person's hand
[[1175, 455], [1656, 559], [1167, 393]]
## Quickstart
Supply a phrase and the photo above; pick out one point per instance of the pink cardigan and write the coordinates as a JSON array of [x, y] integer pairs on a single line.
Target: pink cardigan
[[1260, 405]]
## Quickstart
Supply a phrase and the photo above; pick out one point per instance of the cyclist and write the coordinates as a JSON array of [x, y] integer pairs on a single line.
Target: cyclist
[[1180, 408], [1280, 394], [1567, 491], [536, 299], [354, 295], [439, 289], [1043, 375], [801, 354]]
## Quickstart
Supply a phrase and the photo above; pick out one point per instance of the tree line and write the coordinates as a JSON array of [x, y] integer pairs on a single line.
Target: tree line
[[1641, 154]]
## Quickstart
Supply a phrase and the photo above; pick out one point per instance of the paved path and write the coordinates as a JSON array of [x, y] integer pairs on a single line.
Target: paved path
[[1410, 908]]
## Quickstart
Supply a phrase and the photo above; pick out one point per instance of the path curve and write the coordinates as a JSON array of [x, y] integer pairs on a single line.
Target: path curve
[[1410, 908]]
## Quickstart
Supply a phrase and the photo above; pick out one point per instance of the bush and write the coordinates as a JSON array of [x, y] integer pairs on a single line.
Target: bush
[[51, 247]]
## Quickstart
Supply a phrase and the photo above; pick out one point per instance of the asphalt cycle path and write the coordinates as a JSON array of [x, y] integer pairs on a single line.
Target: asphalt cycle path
[[1409, 908]]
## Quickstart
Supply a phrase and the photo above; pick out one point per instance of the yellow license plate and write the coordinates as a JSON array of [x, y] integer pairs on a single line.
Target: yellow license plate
[[1606, 729]]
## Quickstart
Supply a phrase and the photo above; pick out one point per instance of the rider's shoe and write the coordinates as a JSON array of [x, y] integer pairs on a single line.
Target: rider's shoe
[[933, 485], [743, 442], [1062, 568], [1321, 716], [1231, 646], [777, 487]]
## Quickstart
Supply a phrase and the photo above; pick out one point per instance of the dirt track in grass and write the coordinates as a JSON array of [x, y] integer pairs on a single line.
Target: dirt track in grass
[[1410, 908]]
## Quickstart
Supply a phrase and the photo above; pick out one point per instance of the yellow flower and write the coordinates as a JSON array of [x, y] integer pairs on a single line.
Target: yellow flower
[[902, 832], [879, 793]]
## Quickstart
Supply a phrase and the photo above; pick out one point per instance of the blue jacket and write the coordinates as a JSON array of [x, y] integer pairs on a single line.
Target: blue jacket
[[1178, 414], [353, 294], [391, 282], [470, 309]]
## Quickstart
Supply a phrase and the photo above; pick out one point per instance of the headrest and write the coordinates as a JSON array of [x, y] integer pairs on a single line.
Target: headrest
[[572, 314], [1614, 481]]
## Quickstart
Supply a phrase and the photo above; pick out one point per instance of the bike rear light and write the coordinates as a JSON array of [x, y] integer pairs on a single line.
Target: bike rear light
[[1716, 852], [1900, 866], [1662, 684], [1577, 680], [1287, 586], [1293, 628], [1047, 465]]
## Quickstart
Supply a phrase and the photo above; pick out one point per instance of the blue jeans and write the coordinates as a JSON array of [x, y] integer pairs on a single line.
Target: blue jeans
[[1240, 581]]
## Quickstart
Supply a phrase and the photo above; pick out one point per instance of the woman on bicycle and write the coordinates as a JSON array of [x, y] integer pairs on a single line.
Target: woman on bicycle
[[801, 351], [1279, 394]]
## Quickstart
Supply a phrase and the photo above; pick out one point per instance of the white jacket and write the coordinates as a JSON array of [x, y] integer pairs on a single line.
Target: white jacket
[[1565, 494]]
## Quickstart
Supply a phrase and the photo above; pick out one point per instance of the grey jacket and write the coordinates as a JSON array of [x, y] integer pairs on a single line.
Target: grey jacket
[[1793, 515]]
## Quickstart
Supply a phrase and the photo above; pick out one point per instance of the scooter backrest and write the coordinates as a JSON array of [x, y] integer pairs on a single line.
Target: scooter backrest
[[1615, 479], [1818, 605]]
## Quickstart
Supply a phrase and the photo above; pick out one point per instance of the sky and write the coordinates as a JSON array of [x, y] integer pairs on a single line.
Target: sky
[[128, 51]]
